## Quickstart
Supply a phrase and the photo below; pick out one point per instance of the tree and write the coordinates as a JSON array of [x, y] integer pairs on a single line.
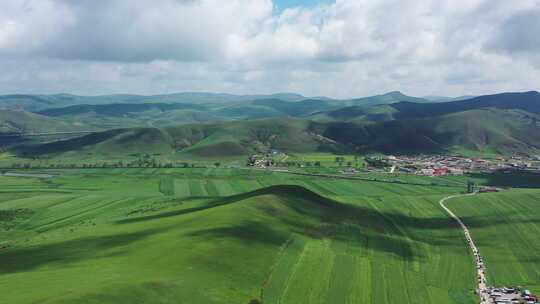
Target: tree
[[217, 164], [470, 186]]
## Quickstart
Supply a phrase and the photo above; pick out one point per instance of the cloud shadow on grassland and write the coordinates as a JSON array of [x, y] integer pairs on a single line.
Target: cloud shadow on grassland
[[392, 232], [32, 257]]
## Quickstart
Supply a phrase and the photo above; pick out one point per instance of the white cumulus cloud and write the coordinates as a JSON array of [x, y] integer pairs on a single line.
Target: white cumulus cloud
[[343, 49]]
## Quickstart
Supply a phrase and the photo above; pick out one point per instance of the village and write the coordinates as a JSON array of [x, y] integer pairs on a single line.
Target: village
[[426, 165], [509, 295], [437, 165]]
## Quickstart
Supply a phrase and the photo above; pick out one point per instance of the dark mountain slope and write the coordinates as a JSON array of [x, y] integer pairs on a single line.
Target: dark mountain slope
[[240, 138], [484, 130], [493, 131], [528, 101]]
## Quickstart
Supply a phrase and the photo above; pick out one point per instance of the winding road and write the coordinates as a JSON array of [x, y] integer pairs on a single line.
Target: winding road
[[480, 267]]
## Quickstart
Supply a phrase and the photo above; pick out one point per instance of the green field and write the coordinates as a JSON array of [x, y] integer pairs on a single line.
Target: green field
[[507, 230], [231, 236]]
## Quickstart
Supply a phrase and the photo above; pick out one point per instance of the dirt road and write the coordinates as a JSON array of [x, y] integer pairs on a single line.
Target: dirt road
[[480, 267]]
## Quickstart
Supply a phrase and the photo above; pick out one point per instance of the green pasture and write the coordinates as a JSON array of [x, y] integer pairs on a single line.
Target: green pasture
[[229, 236], [326, 159], [507, 229]]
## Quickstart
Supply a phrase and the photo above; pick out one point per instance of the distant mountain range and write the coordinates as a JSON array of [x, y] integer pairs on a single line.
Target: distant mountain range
[[40, 102], [507, 123], [35, 103]]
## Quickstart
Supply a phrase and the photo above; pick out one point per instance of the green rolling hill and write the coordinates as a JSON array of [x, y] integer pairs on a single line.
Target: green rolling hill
[[494, 124], [232, 139], [18, 121], [527, 101], [388, 98], [491, 131], [170, 236], [41, 102], [356, 114], [116, 109], [38, 103]]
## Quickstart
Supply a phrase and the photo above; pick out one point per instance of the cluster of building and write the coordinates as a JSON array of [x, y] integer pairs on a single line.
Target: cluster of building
[[510, 295], [437, 165], [261, 161]]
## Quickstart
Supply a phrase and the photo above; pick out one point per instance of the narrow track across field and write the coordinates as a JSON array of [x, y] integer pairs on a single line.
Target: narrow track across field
[[480, 267]]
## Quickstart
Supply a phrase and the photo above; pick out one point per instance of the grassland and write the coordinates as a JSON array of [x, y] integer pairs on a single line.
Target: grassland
[[227, 236], [507, 231]]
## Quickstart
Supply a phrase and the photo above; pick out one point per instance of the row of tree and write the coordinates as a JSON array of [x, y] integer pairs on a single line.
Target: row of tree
[[119, 164]]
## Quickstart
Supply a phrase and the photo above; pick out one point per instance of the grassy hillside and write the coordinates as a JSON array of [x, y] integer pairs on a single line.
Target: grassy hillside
[[18, 121], [116, 109], [489, 131], [410, 109], [222, 236], [233, 139], [121, 115], [27, 102], [498, 124], [296, 109], [388, 98], [358, 114], [42, 102], [528, 101]]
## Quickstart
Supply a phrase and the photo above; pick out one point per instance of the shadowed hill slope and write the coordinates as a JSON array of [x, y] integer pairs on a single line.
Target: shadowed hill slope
[[406, 109], [281, 244], [490, 130], [528, 101], [199, 140], [487, 130]]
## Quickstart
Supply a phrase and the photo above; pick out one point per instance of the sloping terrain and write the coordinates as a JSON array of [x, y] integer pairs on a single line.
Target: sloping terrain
[[489, 130], [18, 121], [41, 102], [116, 109], [118, 115], [496, 124], [357, 114], [388, 98], [528, 102], [296, 109], [239, 138], [109, 236], [492, 131]]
